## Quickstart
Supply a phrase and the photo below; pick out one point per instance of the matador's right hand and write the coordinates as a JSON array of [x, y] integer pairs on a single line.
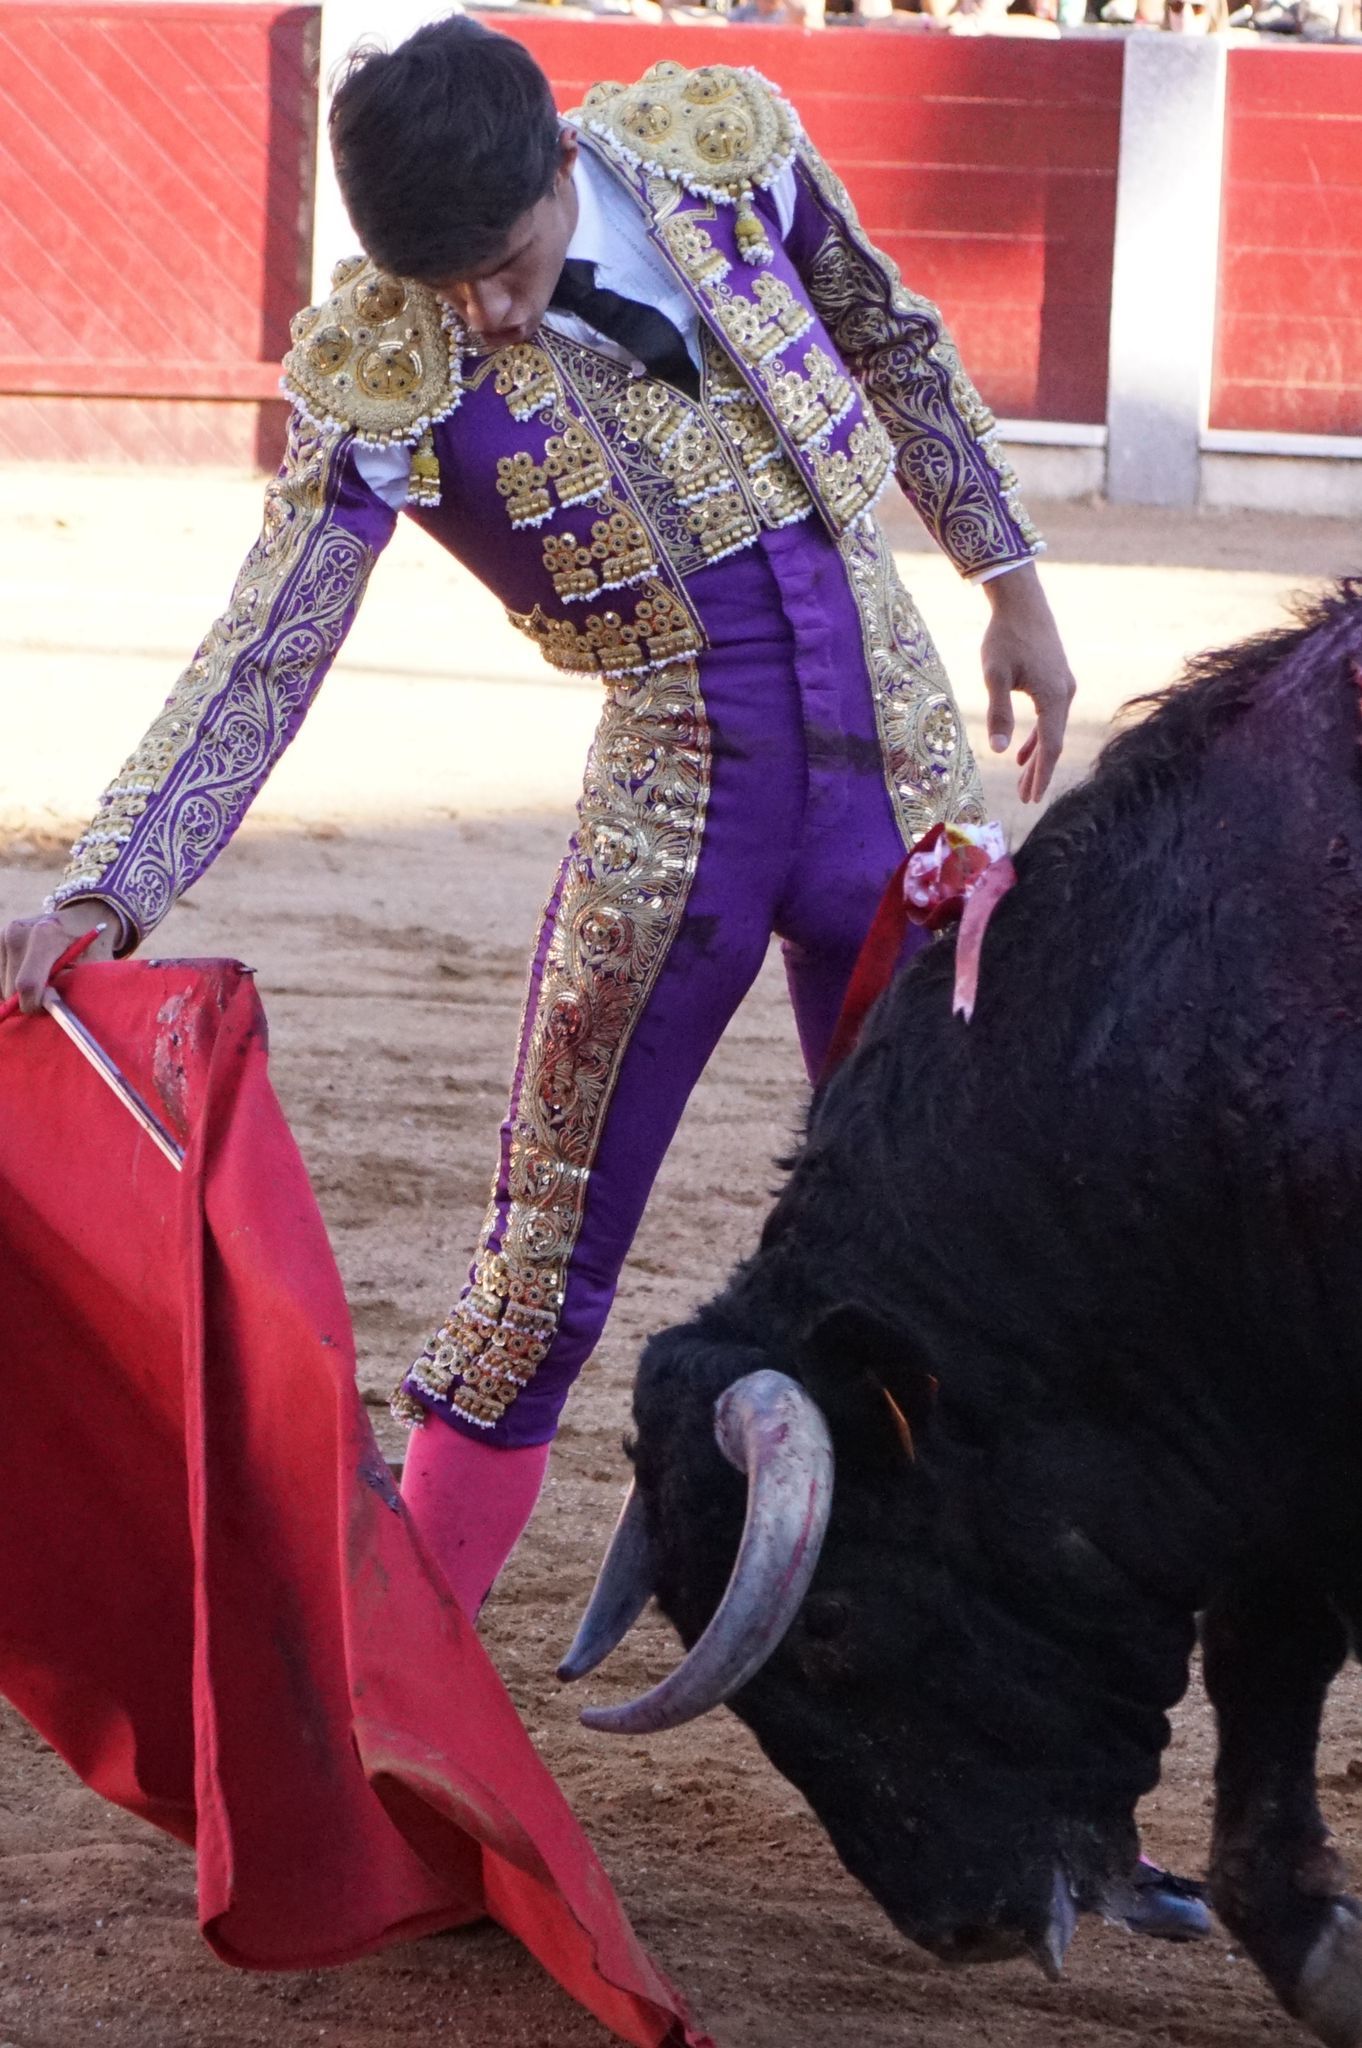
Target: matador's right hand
[[30, 947]]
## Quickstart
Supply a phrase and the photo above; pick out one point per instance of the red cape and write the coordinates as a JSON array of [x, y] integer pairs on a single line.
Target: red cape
[[214, 1606]]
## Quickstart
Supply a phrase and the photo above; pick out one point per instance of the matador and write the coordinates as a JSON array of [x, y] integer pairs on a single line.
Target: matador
[[639, 369]]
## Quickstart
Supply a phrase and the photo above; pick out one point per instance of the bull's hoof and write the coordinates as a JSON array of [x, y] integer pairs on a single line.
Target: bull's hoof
[[1157, 1904], [1329, 1994]]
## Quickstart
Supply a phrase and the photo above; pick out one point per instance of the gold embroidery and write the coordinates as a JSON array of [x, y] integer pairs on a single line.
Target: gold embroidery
[[578, 466], [693, 250], [849, 479], [687, 535], [679, 438], [780, 306], [834, 390], [750, 434], [929, 769], [722, 524], [622, 550], [781, 494], [523, 483], [619, 552], [252, 674], [607, 644], [943, 434], [773, 482], [797, 405], [526, 379], [377, 359], [640, 827], [652, 412], [751, 332], [715, 130]]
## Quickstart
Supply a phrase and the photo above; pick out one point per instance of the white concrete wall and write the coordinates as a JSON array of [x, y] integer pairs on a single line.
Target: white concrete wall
[[1166, 258], [344, 24]]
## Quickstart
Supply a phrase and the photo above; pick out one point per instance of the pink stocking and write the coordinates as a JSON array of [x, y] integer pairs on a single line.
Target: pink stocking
[[470, 1502]]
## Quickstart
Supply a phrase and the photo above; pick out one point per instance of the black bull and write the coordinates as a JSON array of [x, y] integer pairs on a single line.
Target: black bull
[[1076, 1289]]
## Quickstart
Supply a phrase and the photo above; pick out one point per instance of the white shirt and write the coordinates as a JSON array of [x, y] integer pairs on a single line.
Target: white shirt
[[610, 233]]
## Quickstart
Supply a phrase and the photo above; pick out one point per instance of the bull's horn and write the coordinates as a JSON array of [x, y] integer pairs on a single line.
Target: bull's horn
[[1053, 1946], [770, 1429], [623, 1588]]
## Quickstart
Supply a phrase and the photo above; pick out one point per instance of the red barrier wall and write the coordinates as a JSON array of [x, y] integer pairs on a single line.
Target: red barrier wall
[[1289, 327], [986, 168], [155, 226]]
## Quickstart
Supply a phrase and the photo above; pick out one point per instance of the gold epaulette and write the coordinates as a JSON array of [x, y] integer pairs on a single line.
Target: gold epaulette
[[717, 131], [378, 360]]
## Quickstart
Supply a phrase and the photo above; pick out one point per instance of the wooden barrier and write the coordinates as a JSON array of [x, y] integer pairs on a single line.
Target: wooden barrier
[[1289, 328], [155, 226], [156, 216]]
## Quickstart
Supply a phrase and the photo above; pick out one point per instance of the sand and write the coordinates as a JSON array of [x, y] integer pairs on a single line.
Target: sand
[[386, 889]]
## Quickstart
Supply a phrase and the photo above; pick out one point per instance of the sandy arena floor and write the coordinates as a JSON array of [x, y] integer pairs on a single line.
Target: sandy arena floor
[[386, 890]]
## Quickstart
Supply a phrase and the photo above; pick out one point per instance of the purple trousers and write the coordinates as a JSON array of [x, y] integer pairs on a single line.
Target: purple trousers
[[744, 798]]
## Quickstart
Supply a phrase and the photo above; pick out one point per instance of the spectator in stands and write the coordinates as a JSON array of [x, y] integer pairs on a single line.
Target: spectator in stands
[[1196, 17], [774, 12], [1318, 21], [993, 17]]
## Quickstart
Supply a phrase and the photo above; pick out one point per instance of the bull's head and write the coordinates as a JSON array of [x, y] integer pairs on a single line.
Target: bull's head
[[969, 1771]]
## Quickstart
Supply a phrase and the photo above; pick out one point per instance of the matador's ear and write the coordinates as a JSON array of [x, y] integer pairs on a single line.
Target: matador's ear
[[871, 1381]]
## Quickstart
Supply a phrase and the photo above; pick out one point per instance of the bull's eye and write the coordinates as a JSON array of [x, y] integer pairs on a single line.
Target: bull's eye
[[825, 1616]]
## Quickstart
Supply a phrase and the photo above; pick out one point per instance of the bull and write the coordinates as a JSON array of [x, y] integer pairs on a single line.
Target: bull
[[1070, 1297]]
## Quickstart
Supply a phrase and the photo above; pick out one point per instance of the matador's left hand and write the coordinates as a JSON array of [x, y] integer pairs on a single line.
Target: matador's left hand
[[1022, 651]]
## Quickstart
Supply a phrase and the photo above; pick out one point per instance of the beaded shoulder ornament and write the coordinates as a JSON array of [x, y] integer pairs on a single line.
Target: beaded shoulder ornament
[[716, 131], [378, 360]]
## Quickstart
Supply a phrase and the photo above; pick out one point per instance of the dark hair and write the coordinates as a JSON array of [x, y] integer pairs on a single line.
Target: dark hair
[[441, 145]]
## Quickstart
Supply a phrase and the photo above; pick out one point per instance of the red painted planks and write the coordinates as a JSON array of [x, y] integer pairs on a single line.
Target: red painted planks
[[1292, 409], [155, 189], [1288, 355], [169, 432], [1325, 282], [858, 128], [1314, 82]]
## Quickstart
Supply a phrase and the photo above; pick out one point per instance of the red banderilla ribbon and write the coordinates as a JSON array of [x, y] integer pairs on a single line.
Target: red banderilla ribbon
[[952, 872]]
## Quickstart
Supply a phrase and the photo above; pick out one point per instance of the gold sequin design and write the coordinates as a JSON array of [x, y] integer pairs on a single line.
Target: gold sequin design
[[760, 327], [714, 130], [693, 250], [684, 444], [929, 768], [526, 378], [850, 478], [288, 610], [809, 402], [524, 484], [378, 358], [618, 552], [640, 826], [944, 436], [660, 630], [734, 480]]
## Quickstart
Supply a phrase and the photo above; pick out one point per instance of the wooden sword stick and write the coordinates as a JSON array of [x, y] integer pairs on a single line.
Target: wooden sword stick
[[93, 1051]]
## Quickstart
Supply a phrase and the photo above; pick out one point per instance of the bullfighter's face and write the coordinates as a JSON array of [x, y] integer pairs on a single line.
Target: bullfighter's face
[[504, 299]]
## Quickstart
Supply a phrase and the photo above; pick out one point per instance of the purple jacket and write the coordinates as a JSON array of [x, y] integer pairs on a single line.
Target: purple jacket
[[582, 496]]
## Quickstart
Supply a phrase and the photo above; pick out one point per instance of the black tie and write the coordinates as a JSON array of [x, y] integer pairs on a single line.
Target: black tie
[[647, 334]]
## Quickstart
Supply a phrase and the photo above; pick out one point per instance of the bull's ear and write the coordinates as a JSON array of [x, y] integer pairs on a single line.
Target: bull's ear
[[870, 1382]]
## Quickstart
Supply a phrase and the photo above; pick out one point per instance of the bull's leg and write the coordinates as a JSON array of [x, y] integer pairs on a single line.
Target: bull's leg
[[1272, 1648]]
